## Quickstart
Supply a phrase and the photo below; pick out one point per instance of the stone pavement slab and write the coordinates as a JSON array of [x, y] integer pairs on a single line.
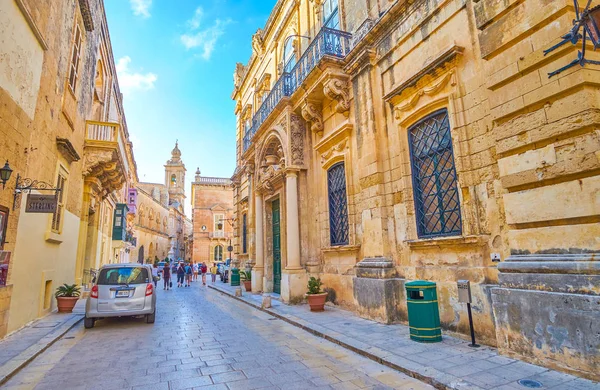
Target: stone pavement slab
[[450, 364], [22, 346], [249, 349]]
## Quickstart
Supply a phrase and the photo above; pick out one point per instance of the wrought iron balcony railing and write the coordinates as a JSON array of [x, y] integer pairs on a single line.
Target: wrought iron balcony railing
[[328, 42]]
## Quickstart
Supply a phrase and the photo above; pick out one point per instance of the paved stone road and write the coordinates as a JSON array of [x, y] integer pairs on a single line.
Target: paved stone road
[[202, 340]]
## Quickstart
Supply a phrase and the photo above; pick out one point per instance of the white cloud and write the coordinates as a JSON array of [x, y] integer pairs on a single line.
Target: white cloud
[[141, 7], [203, 39], [130, 81]]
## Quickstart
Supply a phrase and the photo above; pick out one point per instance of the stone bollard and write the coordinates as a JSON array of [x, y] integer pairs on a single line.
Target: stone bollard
[[266, 301], [238, 292]]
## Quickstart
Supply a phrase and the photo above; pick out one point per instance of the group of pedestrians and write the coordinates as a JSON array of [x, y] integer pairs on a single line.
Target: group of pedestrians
[[186, 273]]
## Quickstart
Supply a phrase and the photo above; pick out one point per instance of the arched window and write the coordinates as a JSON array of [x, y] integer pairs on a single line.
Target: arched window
[[218, 253], [173, 180], [338, 205], [434, 177], [331, 16]]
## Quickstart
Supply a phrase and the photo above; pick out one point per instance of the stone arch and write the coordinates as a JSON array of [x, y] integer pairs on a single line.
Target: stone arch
[[274, 139]]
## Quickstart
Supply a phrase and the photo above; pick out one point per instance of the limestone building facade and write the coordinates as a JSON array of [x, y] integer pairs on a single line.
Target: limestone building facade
[[212, 202], [63, 128], [385, 141]]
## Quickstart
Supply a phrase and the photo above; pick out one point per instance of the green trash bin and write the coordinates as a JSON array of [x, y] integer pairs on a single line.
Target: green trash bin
[[235, 277], [423, 312]]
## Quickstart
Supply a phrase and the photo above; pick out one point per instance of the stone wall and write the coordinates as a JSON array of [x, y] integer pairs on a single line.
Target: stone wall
[[525, 150]]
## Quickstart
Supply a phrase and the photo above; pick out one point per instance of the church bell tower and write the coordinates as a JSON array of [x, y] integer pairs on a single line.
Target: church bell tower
[[175, 178]]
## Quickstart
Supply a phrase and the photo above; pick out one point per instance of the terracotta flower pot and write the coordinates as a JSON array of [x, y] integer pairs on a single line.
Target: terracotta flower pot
[[248, 285], [317, 301], [66, 304]]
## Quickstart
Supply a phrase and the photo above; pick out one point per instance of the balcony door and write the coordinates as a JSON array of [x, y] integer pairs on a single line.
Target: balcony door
[[276, 210], [331, 15]]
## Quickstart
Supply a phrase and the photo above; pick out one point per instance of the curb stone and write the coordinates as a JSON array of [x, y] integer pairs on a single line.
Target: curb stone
[[395, 362], [15, 364]]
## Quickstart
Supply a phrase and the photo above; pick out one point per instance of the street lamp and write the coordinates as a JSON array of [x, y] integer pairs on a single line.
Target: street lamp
[[589, 20], [5, 173]]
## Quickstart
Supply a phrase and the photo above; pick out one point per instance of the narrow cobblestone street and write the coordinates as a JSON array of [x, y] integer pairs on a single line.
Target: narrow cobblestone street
[[202, 339]]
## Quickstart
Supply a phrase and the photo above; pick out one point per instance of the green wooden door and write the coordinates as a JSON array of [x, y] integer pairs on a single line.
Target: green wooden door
[[276, 247]]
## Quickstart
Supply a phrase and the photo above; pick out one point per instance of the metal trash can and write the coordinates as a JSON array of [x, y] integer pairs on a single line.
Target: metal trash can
[[235, 277], [423, 312]]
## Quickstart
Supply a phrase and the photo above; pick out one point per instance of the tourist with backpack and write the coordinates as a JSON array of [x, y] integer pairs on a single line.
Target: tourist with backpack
[[188, 275], [180, 274]]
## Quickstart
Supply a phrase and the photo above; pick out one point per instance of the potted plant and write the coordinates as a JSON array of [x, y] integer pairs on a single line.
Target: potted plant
[[246, 277], [66, 297], [316, 297]]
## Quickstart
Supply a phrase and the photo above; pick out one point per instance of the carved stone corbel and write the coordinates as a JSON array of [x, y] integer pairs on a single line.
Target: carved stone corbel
[[339, 90], [312, 112], [297, 140]]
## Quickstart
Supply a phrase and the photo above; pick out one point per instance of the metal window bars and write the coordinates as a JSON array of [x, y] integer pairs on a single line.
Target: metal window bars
[[434, 177], [338, 205]]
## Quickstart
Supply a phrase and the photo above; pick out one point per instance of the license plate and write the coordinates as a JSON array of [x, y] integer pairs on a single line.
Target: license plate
[[123, 294]]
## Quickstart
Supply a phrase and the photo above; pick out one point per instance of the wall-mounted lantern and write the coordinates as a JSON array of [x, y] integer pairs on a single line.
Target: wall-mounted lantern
[[5, 173]]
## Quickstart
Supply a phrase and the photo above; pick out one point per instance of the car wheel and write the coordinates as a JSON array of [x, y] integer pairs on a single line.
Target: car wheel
[[88, 323], [151, 317]]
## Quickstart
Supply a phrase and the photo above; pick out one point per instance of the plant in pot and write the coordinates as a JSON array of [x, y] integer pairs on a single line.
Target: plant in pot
[[246, 277], [66, 297], [316, 297]]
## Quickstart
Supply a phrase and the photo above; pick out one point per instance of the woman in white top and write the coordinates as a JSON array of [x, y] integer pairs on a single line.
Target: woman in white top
[[195, 269]]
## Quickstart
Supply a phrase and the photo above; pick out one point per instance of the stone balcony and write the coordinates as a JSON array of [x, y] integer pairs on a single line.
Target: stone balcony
[[105, 159]]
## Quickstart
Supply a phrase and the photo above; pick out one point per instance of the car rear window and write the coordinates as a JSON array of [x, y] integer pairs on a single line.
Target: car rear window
[[126, 275]]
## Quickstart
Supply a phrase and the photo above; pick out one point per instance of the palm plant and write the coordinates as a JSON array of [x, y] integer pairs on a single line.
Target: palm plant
[[68, 290], [246, 275]]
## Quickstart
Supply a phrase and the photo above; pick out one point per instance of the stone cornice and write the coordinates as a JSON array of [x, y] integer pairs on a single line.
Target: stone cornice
[[66, 148]]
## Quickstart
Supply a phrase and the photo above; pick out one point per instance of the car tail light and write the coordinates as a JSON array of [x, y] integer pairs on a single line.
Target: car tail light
[[94, 293], [149, 289]]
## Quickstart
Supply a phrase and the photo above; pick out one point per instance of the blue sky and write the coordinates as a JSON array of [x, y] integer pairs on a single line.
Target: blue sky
[[175, 60]]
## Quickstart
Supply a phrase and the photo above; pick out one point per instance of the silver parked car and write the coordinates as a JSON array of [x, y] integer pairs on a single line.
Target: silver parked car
[[122, 290]]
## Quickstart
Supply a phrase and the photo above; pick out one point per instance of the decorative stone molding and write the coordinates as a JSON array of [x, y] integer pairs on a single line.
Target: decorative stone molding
[[339, 90], [104, 165], [86, 14], [334, 151], [258, 42], [430, 90], [362, 31], [312, 112], [66, 148], [297, 140]]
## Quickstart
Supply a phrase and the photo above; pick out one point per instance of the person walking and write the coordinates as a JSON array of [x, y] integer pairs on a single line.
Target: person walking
[[167, 276], [213, 273], [188, 275], [203, 270], [195, 268], [155, 275], [180, 274]]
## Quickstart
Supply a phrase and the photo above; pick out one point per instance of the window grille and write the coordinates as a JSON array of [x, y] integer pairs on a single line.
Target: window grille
[[338, 205], [434, 177], [244, 234]]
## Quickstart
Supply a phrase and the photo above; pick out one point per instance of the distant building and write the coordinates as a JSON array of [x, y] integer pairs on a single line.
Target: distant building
[[212, 201], [163, 230]]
